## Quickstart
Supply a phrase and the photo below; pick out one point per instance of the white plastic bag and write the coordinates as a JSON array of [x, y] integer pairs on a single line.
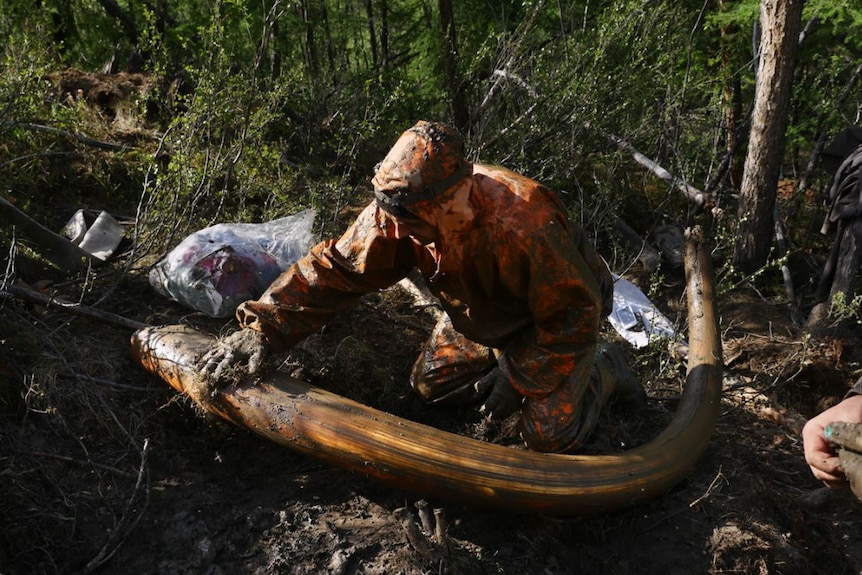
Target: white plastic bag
[[99, 237], [217, 268], [635, 317]]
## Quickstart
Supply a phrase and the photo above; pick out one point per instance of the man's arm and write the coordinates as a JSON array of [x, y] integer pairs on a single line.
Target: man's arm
[[327, 281]]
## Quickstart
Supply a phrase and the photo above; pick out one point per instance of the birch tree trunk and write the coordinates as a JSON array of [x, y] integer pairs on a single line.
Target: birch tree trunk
[[781, 21]]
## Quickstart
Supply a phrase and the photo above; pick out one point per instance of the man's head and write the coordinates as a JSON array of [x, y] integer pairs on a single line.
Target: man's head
[[425, 162]]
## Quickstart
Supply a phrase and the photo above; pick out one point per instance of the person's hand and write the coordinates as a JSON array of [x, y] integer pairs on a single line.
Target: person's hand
[[820, 455], [244, 349], [503, 400]]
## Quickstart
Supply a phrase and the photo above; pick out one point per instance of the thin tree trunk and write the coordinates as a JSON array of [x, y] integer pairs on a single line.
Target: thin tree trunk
[[330, 50], [127, 22], [384, 34], [310, 48], [732, 102], [274, 53], [781, 22], [62, 27], [456, 91], [372, 34]]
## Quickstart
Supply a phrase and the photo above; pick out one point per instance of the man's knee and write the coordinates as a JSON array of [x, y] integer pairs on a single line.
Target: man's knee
[[444, 383], [562, 421]]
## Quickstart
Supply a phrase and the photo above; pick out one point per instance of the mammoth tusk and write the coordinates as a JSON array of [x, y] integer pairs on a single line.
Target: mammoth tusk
[[426, 460]]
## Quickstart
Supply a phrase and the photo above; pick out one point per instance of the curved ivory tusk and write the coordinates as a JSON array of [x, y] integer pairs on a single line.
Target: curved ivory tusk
[[427, 460]]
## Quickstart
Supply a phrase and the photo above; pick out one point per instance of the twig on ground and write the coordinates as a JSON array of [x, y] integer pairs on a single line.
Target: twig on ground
[[714, 484], [74, 308], [83, 462], [121, 532]]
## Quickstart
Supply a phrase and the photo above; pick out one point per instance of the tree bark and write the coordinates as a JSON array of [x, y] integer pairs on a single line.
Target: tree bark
[[372, 34], [456, 90], [304, 11], [732, 102], [781, 22]]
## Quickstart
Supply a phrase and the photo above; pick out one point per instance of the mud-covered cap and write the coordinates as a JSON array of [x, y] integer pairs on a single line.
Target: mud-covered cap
[[427, 160]]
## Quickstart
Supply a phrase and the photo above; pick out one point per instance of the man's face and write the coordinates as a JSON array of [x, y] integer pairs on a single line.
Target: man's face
[[413, 227]]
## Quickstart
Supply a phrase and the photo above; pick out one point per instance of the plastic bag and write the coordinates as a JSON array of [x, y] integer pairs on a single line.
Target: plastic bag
[[99, 237], [217, 268], [636, 318]]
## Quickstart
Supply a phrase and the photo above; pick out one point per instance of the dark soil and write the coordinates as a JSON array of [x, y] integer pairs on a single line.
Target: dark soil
[[105, 469]]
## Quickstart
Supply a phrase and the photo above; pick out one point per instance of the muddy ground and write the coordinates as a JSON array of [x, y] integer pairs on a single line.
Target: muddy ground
[[103, 469]]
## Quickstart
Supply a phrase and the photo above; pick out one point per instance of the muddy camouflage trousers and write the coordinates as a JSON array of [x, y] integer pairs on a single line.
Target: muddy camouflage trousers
[[450, 365]]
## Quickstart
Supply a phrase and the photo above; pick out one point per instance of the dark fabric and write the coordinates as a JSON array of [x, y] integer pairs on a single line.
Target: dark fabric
[[840, 147], [845, 194]]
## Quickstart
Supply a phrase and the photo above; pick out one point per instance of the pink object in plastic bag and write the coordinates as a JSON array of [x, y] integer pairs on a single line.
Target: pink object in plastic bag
[[217, 268]]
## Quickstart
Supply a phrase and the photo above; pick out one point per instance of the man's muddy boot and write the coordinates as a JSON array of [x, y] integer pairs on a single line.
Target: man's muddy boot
[[618, 382]]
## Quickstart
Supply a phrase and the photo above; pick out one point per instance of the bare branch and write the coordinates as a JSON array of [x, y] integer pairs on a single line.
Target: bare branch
[[58, 250], [74, 308], [695, 196], [127, 523], [57, 131]]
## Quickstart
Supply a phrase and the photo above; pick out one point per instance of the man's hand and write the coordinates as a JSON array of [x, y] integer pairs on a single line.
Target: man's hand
[[245, 348], [820, 455], [504, 400]]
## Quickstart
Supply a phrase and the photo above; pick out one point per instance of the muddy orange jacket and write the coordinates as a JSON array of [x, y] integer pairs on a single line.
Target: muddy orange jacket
[[520, 279]]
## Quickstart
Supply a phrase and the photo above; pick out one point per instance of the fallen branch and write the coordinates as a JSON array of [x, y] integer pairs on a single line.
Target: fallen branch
[[58, 132], [695, 196], [58, 250], [74, 308]]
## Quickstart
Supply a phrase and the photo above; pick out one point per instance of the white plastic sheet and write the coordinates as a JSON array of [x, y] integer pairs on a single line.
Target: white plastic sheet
[[99, 238], [636, 318]]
